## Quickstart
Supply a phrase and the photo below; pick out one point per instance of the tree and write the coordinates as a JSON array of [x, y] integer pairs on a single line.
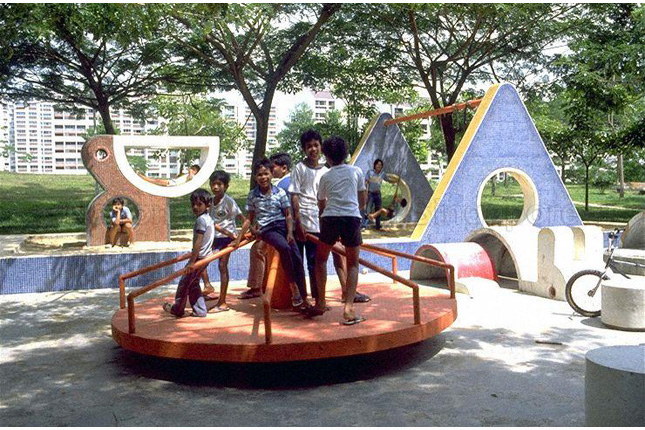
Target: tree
[[94, 55], [446, 47], [551, 123], [606, 70], [251, 47], [301, 119]]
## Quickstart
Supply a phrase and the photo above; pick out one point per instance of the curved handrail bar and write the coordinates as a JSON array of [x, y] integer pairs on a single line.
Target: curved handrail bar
[[449, 267], [147, 269], [415, 287], [136, 293], [150, 268]]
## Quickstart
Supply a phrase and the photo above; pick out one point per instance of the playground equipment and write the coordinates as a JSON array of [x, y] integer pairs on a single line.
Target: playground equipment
[[237, 336], [105, 158], [388, 144], [634, 235]]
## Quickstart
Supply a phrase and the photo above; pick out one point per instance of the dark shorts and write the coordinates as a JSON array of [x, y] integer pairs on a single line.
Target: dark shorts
[[348, 228], [220, 243]]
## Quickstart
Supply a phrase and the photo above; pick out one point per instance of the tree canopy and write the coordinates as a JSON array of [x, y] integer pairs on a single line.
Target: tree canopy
[[94, 55]]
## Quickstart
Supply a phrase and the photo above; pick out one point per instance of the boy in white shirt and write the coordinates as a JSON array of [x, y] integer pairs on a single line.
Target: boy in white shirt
[[305, 179], [341, 195], [224, 211]]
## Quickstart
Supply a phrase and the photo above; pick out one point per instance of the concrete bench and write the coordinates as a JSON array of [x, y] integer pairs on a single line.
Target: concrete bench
[[623, 303], [615, 386]]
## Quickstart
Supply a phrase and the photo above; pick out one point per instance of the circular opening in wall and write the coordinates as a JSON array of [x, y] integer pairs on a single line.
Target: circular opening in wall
[[108, 212], [507, 197], [101, 154]]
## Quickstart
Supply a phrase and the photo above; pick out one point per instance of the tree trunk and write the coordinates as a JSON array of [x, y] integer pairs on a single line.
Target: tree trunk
[[448, 130], [621, 177], [564, 163], [261, 134], [586, 188], [104, 111], [493, 180]]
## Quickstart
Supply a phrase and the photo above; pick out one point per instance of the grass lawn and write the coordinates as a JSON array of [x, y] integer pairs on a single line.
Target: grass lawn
[[57, 203]]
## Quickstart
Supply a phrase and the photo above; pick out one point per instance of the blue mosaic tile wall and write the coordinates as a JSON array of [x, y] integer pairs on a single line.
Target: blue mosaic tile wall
[[505, 139], [81, 272]]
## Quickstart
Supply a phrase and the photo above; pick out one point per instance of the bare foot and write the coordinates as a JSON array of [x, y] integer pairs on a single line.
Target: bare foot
[[208, 289], [222, 306]]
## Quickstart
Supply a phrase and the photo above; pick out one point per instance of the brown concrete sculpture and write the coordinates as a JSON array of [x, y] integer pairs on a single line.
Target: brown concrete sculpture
[[105, 158], [153, 223]]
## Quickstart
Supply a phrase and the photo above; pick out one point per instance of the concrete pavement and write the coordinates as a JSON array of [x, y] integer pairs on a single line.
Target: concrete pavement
[[510, 359]]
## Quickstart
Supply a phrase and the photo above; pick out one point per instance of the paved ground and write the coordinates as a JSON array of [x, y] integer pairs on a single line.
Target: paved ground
[[60, 367]]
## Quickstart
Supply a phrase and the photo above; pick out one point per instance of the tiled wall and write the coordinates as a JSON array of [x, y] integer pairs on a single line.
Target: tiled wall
[[79, 272]]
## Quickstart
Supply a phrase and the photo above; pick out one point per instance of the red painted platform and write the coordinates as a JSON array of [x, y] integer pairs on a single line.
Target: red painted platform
[[238, 335]]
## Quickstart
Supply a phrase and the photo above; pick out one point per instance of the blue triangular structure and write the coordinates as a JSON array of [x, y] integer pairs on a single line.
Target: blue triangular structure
[[501, 136]]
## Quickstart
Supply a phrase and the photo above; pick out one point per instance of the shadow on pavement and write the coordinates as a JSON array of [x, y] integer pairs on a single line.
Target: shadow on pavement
[[295, 374]]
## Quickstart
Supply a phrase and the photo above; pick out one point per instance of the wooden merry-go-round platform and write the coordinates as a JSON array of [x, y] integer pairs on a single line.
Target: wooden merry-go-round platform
[[238, 335]]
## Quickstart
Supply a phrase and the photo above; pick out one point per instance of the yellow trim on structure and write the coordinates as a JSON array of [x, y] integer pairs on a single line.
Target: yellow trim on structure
[[363, 140], [454, 164]]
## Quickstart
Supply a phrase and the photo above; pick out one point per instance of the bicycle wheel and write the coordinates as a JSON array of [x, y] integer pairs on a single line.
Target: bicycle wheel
[[578, 292]]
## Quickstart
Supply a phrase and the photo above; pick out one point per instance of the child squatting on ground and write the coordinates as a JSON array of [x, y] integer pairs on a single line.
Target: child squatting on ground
[[341, 195], [224, 211], [203, 234], [121, 222], [269, 206]]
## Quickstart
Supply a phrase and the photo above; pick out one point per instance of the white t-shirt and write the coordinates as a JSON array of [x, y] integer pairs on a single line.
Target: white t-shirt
[[204, 225], [304, 183], [340, 187], [224, 214]]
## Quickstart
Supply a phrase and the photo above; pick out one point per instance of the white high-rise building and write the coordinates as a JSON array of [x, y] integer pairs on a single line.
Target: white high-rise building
[[45, 140], [6, 136], [324, 102]]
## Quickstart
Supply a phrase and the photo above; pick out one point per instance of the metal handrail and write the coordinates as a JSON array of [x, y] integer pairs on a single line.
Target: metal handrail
[[415, 287], [136, 293], [448, 267], [152, 267]]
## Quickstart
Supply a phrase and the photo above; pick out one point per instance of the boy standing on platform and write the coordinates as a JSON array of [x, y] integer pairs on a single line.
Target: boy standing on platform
[[341, 195], [303, 189], [203, 232], [224, 211]]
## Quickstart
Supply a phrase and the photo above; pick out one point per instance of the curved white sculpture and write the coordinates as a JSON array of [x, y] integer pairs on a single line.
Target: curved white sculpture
[[403, 191], [209, 146], [531, 201]]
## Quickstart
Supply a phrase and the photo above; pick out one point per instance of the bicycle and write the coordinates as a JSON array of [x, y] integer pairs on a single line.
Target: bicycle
[[583, 288]]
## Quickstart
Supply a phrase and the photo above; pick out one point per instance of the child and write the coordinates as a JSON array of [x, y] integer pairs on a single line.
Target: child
[[341, 195], [121, 222], [203, 233], [303, 189], [224, 211], [389, 211], [281, 170], [269, 206], [373, 180]]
